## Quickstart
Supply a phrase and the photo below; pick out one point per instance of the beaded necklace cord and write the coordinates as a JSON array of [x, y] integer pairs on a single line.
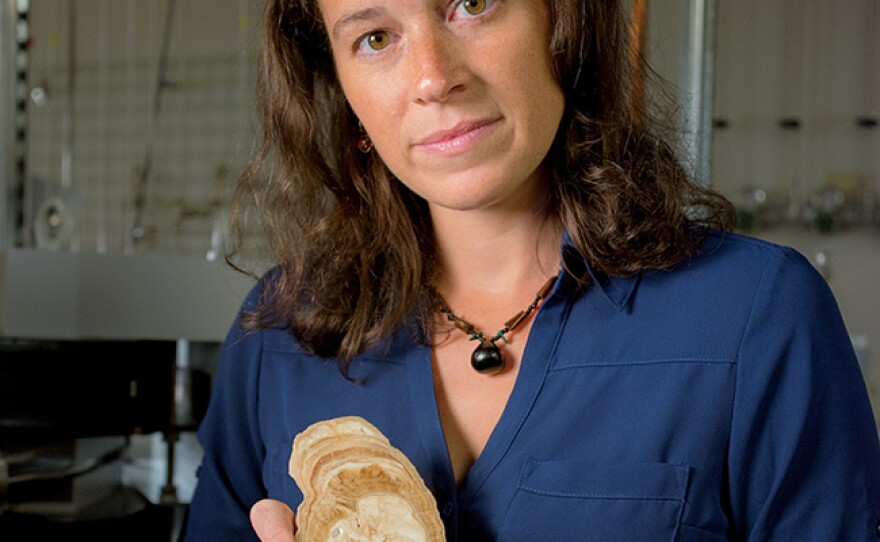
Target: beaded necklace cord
[[487, 357]]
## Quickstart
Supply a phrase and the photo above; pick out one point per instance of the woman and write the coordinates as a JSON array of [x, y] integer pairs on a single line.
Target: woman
[[516, 281]]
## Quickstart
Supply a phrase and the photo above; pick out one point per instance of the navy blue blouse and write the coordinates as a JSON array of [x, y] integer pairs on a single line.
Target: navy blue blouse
[[719, 401]]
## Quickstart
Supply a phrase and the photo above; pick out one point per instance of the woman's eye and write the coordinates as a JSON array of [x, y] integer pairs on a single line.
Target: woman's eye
[[474, 7], [377, 40]]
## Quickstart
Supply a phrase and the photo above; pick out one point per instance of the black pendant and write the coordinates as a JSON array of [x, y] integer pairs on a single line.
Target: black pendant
[[487, 358]]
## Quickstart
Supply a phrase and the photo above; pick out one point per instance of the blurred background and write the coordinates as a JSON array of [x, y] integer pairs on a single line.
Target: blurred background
[[125, 123]]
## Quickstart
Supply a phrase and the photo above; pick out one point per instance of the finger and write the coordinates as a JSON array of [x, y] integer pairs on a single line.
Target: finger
[[273, 521]]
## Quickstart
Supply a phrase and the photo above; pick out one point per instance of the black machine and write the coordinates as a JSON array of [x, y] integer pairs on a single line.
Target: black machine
[[67, 412]]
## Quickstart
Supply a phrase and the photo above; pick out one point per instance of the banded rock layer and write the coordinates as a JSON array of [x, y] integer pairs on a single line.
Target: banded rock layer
[[357, 487]]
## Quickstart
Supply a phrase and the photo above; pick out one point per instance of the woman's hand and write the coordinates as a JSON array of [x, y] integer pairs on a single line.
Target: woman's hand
[[273, 521]]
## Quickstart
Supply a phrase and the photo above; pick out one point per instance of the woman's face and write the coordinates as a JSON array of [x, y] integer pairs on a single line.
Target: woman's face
[[457, 96]]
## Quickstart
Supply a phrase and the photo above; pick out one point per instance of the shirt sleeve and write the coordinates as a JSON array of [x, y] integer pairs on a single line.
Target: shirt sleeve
[[229, 479], [804, 456]]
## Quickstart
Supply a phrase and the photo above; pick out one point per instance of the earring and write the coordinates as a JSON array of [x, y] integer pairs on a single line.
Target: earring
[[364, 143]]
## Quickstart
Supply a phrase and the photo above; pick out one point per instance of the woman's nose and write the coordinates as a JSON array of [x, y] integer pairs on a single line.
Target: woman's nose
[[438, 69]]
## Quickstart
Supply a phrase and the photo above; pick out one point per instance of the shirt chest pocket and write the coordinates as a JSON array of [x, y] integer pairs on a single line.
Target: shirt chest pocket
[[603, 502]]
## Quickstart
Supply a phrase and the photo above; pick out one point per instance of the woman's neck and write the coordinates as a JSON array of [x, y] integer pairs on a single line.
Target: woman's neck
[[486, 255]]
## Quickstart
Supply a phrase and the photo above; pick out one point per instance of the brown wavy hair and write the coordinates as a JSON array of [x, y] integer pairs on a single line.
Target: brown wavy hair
[[352, 247]]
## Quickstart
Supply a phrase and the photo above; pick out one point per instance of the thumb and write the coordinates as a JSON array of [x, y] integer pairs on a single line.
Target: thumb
[[273, 521]]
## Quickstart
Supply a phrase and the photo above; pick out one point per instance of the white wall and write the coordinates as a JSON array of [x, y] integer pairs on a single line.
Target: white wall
[[814, 60]]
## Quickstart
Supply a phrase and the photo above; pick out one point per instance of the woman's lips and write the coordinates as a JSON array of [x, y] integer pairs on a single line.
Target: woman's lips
[[457, 139]]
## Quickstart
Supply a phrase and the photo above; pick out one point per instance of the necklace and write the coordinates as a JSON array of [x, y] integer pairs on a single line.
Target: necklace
[[487, 357]]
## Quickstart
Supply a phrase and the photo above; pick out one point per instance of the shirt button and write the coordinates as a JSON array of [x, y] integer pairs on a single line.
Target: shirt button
[[878, 529], [448, 509]]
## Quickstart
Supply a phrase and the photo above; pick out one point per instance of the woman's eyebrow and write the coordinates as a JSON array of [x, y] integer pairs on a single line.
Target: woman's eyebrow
[[356, 16]]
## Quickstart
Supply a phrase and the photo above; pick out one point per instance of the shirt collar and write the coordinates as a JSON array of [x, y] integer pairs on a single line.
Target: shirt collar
[[616, 289]]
